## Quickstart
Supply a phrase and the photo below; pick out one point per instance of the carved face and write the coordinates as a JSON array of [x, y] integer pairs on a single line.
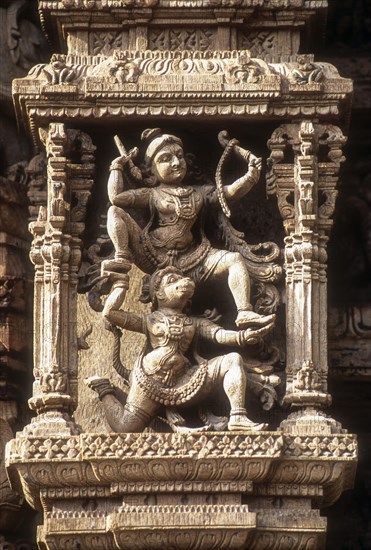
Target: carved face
[[175, 289], [169, 165]]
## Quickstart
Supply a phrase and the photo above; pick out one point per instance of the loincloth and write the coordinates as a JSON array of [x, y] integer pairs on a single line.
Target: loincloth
[[196, 262], [195, 383]]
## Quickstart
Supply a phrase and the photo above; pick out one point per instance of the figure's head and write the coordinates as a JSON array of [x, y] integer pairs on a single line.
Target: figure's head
[[169, 287], [165, 157]]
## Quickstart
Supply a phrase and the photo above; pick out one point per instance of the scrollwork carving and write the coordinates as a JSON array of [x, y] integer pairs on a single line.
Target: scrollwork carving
[[213, 537], [293, 541], [327, 208], [126, 66]]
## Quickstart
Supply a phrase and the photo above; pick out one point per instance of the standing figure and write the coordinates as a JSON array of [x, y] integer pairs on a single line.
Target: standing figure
[[174, 234], [170, 372]]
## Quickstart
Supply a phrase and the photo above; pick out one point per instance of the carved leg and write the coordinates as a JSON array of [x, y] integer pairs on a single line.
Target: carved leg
[[233, 264], [125, 235], [118, 230], [134, 416], [234, 383]]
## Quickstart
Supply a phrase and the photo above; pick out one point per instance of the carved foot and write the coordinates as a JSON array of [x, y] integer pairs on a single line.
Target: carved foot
[[239, 422], [100, 385], [178, 423], [250, 318], [114, 278]]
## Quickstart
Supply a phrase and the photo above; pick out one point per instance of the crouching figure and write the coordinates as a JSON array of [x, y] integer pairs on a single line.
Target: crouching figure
[[170, 372]]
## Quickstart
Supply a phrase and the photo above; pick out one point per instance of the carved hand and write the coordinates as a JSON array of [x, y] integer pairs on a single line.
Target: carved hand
[[117, 295], [119, 162], [251, 337], [255, 165]]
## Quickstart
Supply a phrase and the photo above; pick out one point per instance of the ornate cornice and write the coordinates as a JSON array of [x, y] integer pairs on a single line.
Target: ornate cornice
[[158, 458], [162, 83]]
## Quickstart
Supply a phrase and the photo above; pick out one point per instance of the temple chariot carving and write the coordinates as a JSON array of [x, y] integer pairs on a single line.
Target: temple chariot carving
[[180, 364]]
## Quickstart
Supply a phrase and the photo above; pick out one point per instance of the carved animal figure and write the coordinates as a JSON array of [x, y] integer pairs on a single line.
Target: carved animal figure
[[165, 374]]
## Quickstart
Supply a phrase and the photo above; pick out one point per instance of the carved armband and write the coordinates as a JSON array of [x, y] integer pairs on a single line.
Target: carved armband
[[240, 336], [229, 337], [214, 336]]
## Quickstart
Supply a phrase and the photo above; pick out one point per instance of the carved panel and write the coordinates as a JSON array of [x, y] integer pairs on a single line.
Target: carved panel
[[269, 44], [104, 43], [350, 341], [182, 39], [196, 488]]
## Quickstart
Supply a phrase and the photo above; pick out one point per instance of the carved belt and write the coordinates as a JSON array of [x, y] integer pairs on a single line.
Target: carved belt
[[185, 260], [171, 395]]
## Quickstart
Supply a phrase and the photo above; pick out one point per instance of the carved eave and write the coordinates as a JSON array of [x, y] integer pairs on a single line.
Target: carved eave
[[68, 20], [178, 84], [56, 471]]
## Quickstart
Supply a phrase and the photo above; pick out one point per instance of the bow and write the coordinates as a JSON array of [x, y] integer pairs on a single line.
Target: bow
[[229, 145]]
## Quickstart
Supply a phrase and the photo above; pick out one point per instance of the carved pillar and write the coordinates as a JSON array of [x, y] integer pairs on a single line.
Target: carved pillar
[[56, 254], [303, 172]]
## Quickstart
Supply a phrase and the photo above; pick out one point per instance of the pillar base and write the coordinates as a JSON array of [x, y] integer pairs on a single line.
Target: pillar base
[[50, 423], [310, 421]]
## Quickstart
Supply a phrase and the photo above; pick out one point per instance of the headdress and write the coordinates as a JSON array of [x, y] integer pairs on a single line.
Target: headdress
[[156, 141]]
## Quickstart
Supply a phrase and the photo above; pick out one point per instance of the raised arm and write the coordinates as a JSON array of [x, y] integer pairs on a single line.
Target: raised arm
[[137, 198], [118, 317], [116, 180], [242, 185]]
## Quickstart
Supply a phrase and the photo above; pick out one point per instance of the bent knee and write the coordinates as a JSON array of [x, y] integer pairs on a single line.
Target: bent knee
[[232, 359], [116, 212], [233, 258]]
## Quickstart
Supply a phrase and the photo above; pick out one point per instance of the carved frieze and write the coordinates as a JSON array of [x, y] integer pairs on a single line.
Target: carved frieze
[[60, 471], [104, 43], [269, 44], [181, 39]]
